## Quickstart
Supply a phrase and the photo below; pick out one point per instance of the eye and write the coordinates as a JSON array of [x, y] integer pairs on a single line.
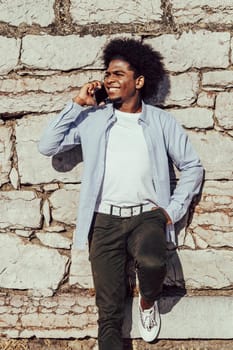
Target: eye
[[119, 74]]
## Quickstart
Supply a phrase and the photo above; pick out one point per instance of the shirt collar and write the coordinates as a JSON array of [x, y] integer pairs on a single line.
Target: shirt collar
[[143, 117]]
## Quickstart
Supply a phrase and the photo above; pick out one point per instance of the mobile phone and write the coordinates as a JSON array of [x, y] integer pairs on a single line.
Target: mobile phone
[[100, 95]]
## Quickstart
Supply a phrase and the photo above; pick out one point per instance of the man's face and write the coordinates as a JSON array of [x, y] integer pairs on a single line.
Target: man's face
[[120, 82]]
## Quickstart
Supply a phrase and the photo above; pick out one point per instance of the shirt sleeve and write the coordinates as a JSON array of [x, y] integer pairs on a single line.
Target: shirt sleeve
[[188, 163], [62, 133]]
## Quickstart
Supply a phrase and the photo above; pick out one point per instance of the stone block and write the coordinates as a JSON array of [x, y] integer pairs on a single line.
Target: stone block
[[19, 209], [5, 153], [216, 153], [17, 301], [224, 110], [222, 78], [33, 102], [64, 205], [54, 240], [191, 50], [28, 266], [201, 118], [185, 268], [212, 238], [48, 84], [24, 233], [27, 11], [180, 90], [8, 320], [104, 12], [202, 11], [35, 168], [55, 52], [56, 228], [10, 46], [86, 301], [214, 219], [206, 99]]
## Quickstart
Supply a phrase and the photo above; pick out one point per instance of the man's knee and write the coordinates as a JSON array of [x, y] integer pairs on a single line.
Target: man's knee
[[151, 263]]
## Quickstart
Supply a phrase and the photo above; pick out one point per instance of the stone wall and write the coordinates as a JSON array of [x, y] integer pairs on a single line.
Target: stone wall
[[48, 49]]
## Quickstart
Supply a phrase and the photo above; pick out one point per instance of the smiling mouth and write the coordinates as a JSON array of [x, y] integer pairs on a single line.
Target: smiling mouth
[[113, 95], [113, 89]]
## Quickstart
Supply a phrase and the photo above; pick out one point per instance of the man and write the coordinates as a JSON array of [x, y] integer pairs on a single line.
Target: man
[[126, 208]]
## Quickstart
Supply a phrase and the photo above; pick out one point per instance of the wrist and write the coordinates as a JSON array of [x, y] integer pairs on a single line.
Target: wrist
[[79, 100], [169, 220]]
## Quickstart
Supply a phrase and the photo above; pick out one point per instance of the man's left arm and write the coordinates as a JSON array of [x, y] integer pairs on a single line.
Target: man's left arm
[[188, 163]]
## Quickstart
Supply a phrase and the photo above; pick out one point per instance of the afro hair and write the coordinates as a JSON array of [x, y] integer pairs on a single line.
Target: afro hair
[[142, 59]]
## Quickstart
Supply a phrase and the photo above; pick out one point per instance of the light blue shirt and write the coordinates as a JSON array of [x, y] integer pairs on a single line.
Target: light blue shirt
[[165, 139]]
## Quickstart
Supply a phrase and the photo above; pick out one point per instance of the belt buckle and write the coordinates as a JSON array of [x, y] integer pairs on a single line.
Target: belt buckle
[[125, 212]]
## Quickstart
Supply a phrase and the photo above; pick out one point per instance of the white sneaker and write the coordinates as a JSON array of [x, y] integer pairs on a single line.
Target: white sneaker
[[149, 322]]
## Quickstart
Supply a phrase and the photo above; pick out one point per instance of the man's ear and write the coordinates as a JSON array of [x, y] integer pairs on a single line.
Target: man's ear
[[140, 81]]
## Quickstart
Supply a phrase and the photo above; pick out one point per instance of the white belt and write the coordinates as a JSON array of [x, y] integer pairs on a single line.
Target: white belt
[[125, 211]]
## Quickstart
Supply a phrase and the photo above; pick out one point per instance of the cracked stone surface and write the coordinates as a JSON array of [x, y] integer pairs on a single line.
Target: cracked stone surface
[[48, 84], [35, 168], [193, 50], [186, 269], [224, 107], [206, 99], [194, 117], [19, 209], [54, 240], [64, 213], [199, 11], [84, 12], [183, 89], [28, 266], [28, 11], [30, 102], [221, 147], [52, 52], [223, 78], [12, 47]]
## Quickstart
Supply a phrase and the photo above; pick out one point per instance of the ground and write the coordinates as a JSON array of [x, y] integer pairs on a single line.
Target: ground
[[90, 344]]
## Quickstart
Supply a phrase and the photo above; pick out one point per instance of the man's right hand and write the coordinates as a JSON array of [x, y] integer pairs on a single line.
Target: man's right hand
[[86, 96]]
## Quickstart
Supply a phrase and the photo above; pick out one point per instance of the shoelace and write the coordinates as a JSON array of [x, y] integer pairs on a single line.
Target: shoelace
[[148, 318]]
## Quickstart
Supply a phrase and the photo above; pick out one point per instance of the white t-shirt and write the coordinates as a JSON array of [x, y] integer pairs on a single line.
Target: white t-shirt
[[128, 175]]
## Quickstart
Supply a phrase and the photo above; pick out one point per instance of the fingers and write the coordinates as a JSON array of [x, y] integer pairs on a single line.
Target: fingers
[[92, 86], [86, 93]]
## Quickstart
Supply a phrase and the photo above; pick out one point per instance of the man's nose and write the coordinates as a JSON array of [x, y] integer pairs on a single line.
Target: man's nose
[[109, 79]]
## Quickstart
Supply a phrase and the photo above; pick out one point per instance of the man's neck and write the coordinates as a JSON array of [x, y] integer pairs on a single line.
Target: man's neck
[[130, 108]]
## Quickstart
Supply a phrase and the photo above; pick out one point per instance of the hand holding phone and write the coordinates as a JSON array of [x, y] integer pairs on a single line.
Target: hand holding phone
[[91, 93], [101, 95]]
